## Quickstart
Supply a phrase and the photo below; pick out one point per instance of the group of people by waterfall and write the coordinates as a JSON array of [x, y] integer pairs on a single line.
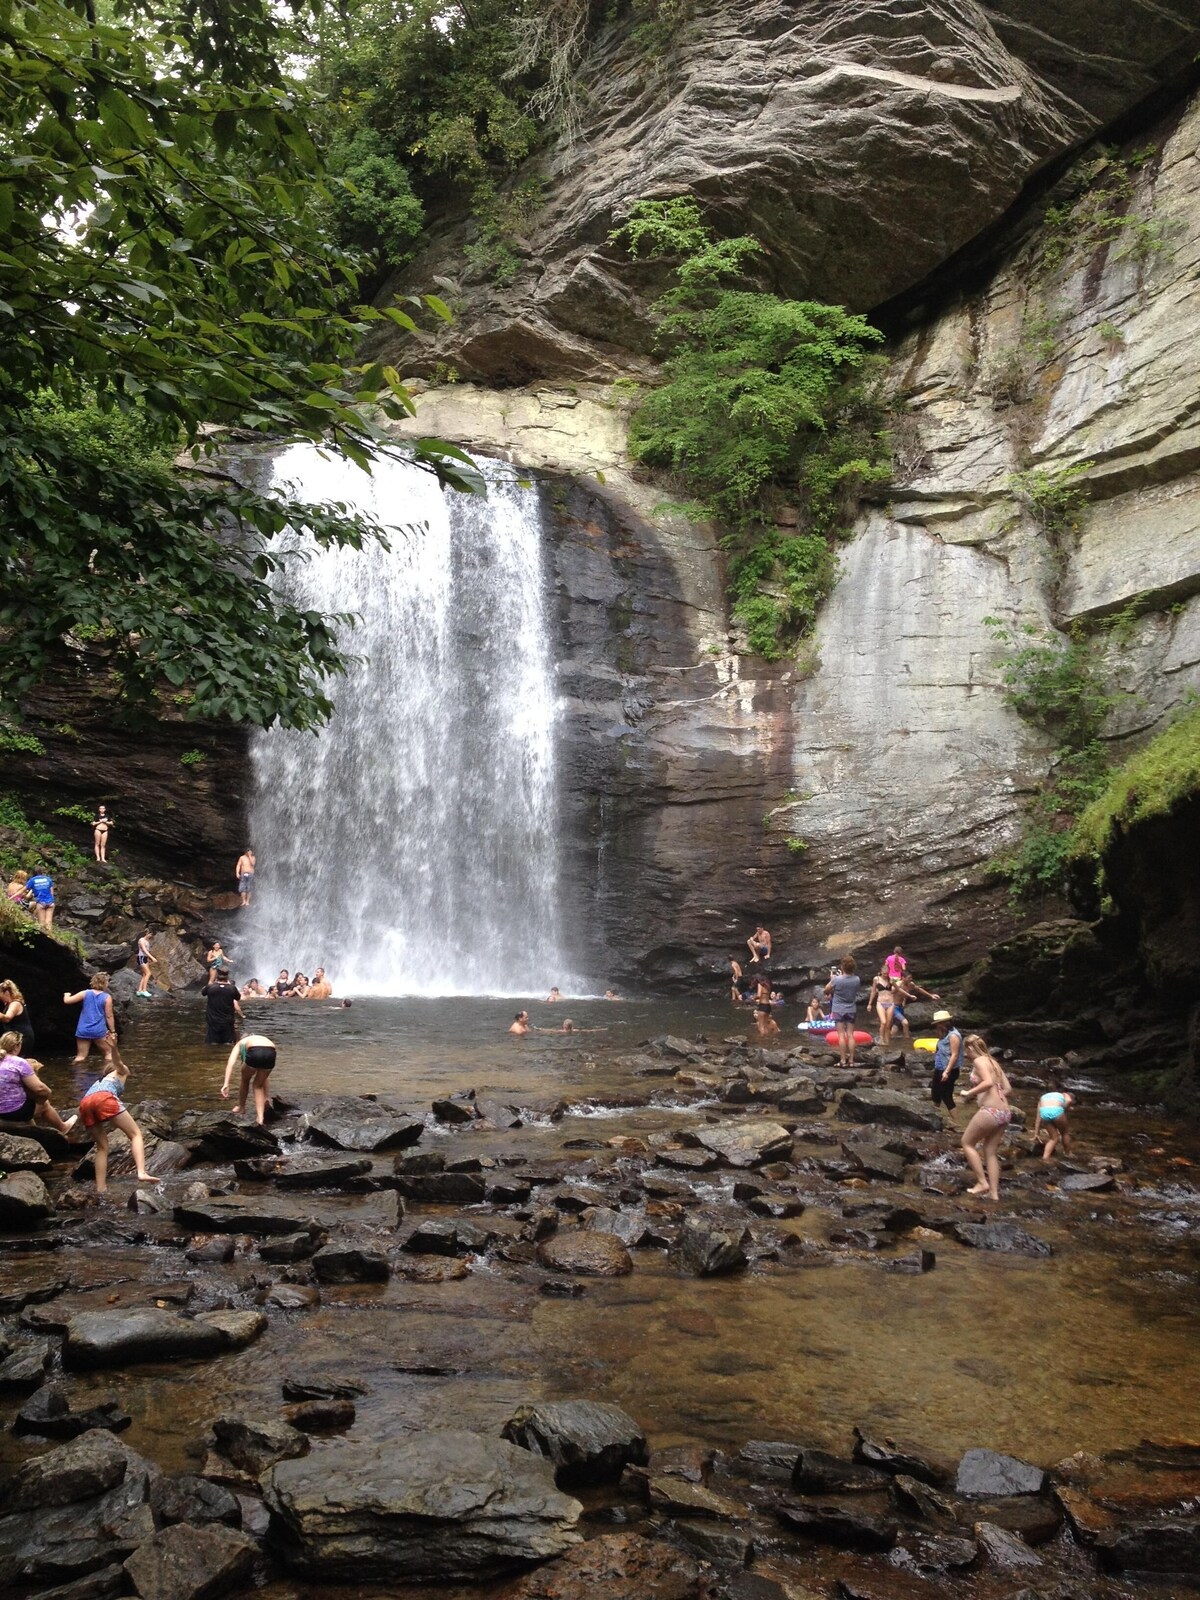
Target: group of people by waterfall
[[832, 1013]]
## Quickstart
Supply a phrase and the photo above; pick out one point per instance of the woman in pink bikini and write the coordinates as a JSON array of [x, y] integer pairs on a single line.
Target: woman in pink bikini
[[981, 1140]]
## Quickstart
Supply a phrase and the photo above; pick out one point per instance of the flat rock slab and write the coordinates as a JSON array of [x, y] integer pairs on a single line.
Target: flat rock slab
[[254, 1444], [887, 1106], [220, 1137], [848, 1527], [365, 1125], [586, 1441], [56, 1315], [586, 1255], [617, 1566], [253, 1214], [747, 1144], [429, 1507], [1088, 1183], [186, 1563], [304, 1172], [117, 1338], [986, 1475], [1004, 1237]]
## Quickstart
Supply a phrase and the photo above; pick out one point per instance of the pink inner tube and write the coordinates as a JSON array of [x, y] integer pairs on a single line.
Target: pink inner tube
[[859, 1037]]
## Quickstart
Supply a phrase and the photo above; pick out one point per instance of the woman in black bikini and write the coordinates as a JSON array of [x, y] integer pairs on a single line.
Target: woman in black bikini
[[100, 829], [14, 1014]]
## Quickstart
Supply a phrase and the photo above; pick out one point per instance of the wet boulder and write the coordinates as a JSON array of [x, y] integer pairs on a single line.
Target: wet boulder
[[1004, 1237], [18, 1154], [585, 1255], [352, 1124], [428, 1507], [343, 1263], [586, 1441], [455, 1109], [321, 1416], [441, 1188], [116, 1338], [24, 1202], [710, 1245], [25, 1368], [818, 1472], [746, 1144], [874, 1161], [889, 1107], [986, 1475], [292, 1296], [1153, 1545], [1005, 1550], [849, 1527], [188, 1563], [72, 1511], [285, 1247], [253, 1214], [218, 1136], [50, 1413], [1087, 1183], [254, 1444], [197, 1501], [631, 1227], [899, 1456], [304, 1172]]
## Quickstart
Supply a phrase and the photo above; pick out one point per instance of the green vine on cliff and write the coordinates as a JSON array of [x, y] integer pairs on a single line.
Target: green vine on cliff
[[1101, 214], [767, 417]]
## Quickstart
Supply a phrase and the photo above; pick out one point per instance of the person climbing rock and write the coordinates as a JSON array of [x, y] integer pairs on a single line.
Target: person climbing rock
[[39, 888]]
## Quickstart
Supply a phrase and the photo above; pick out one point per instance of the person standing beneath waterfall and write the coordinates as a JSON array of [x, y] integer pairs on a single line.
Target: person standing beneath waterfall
[[244, 873]]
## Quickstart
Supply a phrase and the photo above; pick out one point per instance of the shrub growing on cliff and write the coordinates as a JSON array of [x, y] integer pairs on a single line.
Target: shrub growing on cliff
[[1165, 772], [766, 402]]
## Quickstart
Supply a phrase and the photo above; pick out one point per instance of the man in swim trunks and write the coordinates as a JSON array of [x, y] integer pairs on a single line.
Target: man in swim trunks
[[244, 873], [759, 945]]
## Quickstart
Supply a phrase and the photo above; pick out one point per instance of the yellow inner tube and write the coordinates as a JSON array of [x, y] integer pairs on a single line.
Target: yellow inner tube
[[925, 1044]]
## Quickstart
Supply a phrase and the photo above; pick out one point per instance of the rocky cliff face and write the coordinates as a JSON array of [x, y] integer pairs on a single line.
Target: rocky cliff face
[[859, 801], [864, 145]]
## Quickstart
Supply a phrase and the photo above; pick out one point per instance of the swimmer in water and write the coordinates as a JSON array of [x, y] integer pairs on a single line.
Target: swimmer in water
[[520, 1023], [815, 1012], [764, 1022], [610, 994], [552, 997]]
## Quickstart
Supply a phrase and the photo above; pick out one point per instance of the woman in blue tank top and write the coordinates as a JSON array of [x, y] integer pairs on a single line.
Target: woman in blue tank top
[[95, 1025]]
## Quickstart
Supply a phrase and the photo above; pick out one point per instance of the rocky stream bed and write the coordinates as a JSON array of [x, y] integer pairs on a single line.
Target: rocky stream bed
[[308, 1356]]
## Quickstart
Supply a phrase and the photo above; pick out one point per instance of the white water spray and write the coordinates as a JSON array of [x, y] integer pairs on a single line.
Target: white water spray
[[411, 847]]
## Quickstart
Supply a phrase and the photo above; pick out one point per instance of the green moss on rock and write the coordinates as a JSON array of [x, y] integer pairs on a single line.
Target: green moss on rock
[[1149, 784]]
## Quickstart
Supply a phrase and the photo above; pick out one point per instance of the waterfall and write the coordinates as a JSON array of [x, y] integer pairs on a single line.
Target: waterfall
[[410, 847]]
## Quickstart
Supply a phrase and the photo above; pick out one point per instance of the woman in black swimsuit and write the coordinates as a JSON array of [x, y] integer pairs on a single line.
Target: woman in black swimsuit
[[100, 829], [14, 1015]]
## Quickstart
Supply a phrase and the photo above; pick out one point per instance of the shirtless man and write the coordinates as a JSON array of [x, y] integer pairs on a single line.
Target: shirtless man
[[904, 990], [759, 945], [520, 1023], [552, 997], [320, 988], [735, 980], [244, 873]]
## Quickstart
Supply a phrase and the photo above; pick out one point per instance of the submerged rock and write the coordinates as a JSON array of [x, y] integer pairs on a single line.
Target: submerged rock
[[617, 1566], [588, 1255], [188, 1563], [49, 1412], [1005, 1237], [429, 1507], [587, 1441]]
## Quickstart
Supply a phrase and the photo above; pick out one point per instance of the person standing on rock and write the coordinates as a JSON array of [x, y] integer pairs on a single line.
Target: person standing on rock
[[896, 966], [222, 1013], [144, 962], [96, 1025], [759, 945], [14, 1014], [100, 829], [736, 978], [842, 993], [256, 1055], [244, 873], [39, 887], [883, 1002], [23, 1095], [216, 961], [101, 1109], [982, 1136], [947, 1060]]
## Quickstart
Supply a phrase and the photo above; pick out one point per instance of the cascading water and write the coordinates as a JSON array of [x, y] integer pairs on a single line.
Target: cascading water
[[411, 848]]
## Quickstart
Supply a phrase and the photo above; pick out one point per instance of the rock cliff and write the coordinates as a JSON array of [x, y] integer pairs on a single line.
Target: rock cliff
[[864, 144], [859, 800]]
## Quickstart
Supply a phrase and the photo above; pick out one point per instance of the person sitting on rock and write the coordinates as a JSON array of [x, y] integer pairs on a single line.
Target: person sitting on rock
[[23, 1095], [102, 1109], [759, 945]]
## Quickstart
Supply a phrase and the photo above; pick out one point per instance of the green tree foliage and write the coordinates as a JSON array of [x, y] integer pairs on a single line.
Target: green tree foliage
[[1054, 682], [374, 209], [766, 404], [162, 262]]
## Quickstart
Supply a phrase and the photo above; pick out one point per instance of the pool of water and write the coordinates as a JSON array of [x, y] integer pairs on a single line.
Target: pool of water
[[1092, 1349]]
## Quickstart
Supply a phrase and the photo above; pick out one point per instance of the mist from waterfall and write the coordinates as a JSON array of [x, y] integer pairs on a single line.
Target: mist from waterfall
[[410, 848]]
